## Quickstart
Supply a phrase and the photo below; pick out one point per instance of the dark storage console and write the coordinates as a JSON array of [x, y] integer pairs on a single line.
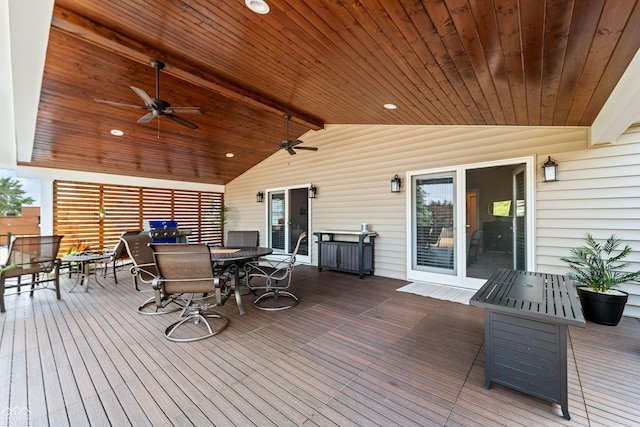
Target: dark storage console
[[349, 256], [525, 328]]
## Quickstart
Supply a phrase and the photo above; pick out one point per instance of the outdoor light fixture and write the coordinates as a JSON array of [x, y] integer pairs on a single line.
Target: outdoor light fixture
[[258, 6], [396, 182], [259, 197], [550, 170], [313, 190]]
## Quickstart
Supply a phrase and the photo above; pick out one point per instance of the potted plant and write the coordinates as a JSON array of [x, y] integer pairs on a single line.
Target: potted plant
[[598, 268]]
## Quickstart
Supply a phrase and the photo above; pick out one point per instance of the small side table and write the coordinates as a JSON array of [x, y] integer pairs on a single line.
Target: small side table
[[525, 329], [84, 268]]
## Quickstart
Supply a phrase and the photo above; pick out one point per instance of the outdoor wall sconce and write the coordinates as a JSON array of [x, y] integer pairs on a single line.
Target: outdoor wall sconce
[[259, 197], [313, 191], [396, 183], [550, 170]]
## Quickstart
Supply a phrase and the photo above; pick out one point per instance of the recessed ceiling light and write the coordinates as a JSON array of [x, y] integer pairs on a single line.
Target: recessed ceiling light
[[390, 106], [229, 154], [116, 132], [257, 6]]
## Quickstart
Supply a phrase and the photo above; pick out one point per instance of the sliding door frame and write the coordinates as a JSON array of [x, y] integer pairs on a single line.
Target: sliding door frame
[[460, 233]]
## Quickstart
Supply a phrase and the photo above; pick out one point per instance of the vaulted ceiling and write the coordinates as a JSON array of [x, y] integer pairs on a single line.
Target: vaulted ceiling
[[446, 62]]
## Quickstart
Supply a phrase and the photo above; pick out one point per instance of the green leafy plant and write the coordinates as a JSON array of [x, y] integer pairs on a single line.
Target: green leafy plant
[[597, 266]]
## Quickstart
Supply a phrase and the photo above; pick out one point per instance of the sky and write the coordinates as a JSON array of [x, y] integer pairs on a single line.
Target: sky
[[31, 186]]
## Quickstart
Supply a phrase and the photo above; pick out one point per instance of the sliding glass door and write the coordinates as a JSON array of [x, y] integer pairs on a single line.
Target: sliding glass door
[[433, 226], [287, 218], [468, 221]]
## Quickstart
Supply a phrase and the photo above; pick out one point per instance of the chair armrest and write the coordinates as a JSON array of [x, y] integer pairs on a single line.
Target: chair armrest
[[137, 269]]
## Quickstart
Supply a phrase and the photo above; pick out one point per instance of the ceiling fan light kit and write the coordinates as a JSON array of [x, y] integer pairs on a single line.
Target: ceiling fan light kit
[[158, 107]]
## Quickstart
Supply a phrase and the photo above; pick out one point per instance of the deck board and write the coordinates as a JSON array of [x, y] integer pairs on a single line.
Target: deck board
[[353, 352]]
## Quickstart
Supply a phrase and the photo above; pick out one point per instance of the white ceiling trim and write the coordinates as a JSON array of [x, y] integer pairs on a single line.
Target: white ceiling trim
[[621, 110], [29, 22]]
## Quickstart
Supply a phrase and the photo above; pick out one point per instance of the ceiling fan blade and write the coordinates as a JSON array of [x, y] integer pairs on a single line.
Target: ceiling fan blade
[[145, 97], [296, 142], [307, 148], [183, 110], [146, 118], [119, 104], [290, 150], [181, 121]]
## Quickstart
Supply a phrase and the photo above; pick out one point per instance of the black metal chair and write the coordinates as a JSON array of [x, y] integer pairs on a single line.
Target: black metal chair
[[185, 268], [144, 270], [33, 256], [273, 275], [119, 253]]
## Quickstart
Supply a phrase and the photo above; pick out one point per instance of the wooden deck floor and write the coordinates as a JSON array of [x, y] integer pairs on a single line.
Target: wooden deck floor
[[352, 353]]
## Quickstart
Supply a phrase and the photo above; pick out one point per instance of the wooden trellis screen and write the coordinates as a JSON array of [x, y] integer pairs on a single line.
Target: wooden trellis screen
[[96, 214]]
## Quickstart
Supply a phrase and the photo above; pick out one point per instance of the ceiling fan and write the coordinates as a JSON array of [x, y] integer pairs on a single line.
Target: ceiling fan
[[157, 107], [288, 144]]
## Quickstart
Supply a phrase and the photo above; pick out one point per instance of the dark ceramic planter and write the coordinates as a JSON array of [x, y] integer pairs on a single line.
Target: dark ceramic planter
[[600, 308]]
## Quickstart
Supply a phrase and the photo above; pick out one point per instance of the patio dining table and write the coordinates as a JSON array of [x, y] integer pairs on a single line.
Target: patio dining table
[[84, 268], [236, 257]]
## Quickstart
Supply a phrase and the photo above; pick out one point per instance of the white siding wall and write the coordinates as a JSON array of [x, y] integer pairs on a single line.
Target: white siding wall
[[598, 191]]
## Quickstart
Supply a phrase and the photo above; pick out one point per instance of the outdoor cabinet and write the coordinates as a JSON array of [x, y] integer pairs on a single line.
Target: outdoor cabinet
[[348, 256]]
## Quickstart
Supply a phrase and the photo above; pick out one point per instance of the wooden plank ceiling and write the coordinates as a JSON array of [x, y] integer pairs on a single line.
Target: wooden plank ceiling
[[451, 62]]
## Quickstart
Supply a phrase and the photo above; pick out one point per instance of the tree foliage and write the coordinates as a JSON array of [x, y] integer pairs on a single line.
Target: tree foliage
[[12, 196]]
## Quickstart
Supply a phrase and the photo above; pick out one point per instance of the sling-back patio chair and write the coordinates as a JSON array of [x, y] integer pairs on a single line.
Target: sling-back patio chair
[[273, 275], [187, 269], [119, 253], [34, 258], [144, 270], [241, 239]]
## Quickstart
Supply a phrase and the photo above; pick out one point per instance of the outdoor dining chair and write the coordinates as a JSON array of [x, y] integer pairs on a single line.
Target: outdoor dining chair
[[273, 275], [119, 253], [187, 269], [144, 270], [34, 257]]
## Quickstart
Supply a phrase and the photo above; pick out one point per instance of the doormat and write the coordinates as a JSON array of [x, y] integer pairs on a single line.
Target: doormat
[[447, 293]]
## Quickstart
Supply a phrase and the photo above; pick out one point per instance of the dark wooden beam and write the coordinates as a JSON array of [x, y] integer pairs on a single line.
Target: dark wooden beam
[[87, 30]]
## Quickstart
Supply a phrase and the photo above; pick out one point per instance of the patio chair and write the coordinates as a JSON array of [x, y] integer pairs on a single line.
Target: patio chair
[[33, 256], [186, 268], [119, 253], [144, 270], [273, 274], [239, 239]]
